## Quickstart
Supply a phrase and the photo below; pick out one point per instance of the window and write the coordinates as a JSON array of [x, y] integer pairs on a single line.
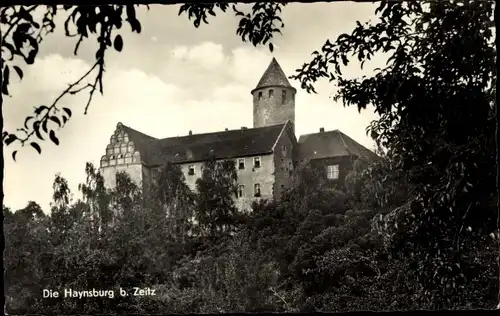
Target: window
[[256, 162], [241, 163], [256, 189], [241, 190], [283, 148], [271, 92], [283, 96], [191, 170], [260, 95], [333, 172]]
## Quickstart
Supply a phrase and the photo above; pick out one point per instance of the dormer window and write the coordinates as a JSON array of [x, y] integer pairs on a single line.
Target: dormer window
[[283, 96], [191, 170], [271, 92], [260, 95], [241, 163], [256, 162]]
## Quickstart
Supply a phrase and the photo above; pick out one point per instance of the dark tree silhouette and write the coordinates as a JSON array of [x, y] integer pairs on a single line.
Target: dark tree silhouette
[[437, 107], [104, 24]]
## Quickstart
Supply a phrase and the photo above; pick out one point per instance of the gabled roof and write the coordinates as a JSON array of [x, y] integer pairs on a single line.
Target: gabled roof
[[273, 76], [199, 147], [331, 144], [141, 140]]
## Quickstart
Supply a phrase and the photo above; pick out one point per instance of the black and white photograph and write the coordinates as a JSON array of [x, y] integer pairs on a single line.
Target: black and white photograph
[[256, 157]]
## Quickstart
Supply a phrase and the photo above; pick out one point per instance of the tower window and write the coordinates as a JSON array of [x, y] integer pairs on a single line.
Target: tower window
[[256, 162], [241, 190], [271, 92], [256, 188], [260, 95], [241, 163], [283, 96], [333, 172], [191, 170]]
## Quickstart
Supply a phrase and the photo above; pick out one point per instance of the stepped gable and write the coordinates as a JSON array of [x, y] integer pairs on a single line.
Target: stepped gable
[[141, 140], [332, 144]]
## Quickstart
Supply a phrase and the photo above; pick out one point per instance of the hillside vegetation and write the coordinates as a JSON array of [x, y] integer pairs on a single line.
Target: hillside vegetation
[[317, 249]]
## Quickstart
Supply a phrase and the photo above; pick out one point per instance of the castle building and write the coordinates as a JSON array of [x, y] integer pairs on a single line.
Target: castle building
[[265, 155]]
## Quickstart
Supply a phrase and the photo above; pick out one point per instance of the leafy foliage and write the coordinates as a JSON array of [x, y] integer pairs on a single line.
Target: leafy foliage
[[415, 230], [103, 24], [100, 22], [216, 212], [441, 62], [377, 185]]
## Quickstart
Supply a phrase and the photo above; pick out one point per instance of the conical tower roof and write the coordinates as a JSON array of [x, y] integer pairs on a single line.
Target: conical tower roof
[[273, 76]]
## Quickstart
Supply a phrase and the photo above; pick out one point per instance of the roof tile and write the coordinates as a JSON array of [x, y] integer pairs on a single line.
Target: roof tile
[[198, 147], [331, 144], [273, 76]]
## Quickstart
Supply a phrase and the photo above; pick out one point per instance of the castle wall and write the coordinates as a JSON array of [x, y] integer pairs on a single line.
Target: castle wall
[[345, 163], [269, 108], [247, 176], [283, 159], [133, 170], [121, 155]]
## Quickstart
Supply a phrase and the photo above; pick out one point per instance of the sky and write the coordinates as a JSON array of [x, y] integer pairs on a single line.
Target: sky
[[168, 80]]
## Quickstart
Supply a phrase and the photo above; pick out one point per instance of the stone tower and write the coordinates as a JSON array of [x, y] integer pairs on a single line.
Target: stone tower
[[273, 98]]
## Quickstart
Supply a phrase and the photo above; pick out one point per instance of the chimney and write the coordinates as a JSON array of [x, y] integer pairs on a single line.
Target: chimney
[[190, 133], [321, 129], [226, 129]]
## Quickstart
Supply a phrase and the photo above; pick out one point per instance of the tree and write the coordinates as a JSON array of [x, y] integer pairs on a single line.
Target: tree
[[377, 185], [27, 243], [216, 212], [173, 200], [102, 23], [436, 102], [97, 199]]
